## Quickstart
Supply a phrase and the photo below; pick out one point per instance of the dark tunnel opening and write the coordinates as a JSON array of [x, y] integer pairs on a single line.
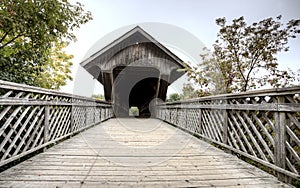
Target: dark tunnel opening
[[134, 87]]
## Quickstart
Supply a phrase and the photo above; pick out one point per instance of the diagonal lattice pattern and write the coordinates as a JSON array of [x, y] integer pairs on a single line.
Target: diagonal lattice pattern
[[262, 125], [32, 118]]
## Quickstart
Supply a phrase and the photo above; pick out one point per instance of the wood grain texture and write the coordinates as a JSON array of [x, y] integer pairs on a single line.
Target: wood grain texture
[[263, 125], [135, 153], [32, 118]]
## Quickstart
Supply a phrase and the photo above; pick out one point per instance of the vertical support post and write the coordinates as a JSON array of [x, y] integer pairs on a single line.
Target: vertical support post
[[199, 130], [86, 116], [162, 85], [170, 115], [185, 119], [95, 109], [225, 122], [158, 87], [176, 117], [159, 113], [155, 107], [101, 118], [72, 117], [46, 124], [280, 138]]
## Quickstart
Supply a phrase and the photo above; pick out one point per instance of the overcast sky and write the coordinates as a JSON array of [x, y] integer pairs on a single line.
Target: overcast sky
[[195, 16]]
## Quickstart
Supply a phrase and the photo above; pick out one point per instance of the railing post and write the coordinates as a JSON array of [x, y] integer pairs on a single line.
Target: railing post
[[46, 123], [72, 118], [225, 122], [94, 109], [100, 114], [199, 130], [176, 117], [185, 118], [170, 115], [280, 138], [86, 116]]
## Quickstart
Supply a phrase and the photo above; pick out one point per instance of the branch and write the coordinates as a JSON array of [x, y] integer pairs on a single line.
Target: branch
[[248, 76], [238, 61], [252, 64], [11, 40], [2, 39]]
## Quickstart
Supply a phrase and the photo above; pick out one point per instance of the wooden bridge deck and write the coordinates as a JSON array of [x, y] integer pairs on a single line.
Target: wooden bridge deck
[[135, 152]]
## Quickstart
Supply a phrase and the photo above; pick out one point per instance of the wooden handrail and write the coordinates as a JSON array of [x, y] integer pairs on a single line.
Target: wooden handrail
[[32, 118], [263, 125]]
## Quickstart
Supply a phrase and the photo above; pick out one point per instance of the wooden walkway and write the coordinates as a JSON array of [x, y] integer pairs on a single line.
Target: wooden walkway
[[135, 153]]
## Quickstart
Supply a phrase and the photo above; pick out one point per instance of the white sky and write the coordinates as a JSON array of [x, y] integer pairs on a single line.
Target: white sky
[[196, 16]]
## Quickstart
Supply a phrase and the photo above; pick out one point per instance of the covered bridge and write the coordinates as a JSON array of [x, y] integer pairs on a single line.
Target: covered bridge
[[135, 70]]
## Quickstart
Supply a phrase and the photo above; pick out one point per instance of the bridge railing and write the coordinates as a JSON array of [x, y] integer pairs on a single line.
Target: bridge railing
[[32, 118], [263, 126]]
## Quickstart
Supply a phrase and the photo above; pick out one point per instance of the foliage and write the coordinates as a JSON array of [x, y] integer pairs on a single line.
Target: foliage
[[173, 97], [31, 32], [133, 111], [98, 96], [57, 70], [244, 57], [188, 92]]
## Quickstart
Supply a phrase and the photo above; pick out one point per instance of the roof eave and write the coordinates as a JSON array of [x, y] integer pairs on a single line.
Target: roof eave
[[128, 34]]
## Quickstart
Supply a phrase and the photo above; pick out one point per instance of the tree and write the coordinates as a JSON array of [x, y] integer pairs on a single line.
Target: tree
[[188, 92], [134, 111], [29, 30], [98, 96], [173, 97], [56, 71], [244, 57]]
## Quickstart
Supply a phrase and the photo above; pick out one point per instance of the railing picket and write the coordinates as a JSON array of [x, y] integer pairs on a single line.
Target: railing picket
[[258, 135], [263, 125], [241, 133], [35, 125], [225, 124], [28, 130], [199, 130], [280, 138], [237, 136], [46, 123], [32, 118], [72, 119]]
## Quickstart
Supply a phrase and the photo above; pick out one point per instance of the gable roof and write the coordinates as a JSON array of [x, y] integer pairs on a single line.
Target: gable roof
[[135, 35]]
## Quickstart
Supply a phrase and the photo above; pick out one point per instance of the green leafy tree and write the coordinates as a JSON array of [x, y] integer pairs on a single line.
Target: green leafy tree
[[173, 97], [31, 32], [244, 56], [188, 92], [56, 71], [134, 111], [98, 96]]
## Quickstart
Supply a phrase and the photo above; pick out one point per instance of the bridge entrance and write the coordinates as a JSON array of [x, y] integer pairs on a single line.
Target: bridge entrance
[[134, 87], [134, 69]]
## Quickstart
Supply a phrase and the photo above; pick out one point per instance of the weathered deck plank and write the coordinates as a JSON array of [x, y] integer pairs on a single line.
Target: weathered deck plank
[[135, 152]]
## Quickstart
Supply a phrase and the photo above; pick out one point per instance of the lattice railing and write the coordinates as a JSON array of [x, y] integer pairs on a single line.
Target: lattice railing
[[32, 118], [262, 125]]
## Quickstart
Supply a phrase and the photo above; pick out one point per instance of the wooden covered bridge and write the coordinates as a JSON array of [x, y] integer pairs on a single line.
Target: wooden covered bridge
[[62, 140]]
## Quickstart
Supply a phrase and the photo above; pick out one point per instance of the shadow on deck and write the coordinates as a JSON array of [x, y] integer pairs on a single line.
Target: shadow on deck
[[135, 152]]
